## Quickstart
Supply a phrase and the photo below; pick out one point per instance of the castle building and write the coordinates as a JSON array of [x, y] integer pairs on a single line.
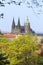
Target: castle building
[[18, 29]]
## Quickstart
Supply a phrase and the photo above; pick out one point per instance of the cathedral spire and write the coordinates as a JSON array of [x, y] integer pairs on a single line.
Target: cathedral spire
[[13, 23], [18, 22]]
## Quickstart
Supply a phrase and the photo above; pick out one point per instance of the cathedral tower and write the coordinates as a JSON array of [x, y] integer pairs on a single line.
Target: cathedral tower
[[27, 26]]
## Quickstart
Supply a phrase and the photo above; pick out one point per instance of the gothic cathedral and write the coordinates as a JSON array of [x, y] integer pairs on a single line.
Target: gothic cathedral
[[18, 29]]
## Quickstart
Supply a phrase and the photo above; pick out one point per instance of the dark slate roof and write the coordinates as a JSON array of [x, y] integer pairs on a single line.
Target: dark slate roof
[[21, 28]]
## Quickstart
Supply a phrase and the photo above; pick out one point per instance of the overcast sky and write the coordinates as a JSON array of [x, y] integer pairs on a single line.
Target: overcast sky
[[15, 11]]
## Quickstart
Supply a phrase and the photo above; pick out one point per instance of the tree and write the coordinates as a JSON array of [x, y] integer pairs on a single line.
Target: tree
[[26, 50], [21, 50]]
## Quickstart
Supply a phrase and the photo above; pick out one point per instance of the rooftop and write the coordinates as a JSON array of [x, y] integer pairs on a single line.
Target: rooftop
[[9, 35]]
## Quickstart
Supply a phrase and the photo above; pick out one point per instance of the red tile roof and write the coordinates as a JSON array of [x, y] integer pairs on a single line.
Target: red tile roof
[[9, 35]]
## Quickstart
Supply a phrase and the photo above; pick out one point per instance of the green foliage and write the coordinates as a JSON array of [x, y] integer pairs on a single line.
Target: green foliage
[[3, 40], [40, 59], [4, 59], [21, 50]]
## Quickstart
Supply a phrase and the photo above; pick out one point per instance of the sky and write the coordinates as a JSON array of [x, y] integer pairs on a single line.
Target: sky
[[16, 11]]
